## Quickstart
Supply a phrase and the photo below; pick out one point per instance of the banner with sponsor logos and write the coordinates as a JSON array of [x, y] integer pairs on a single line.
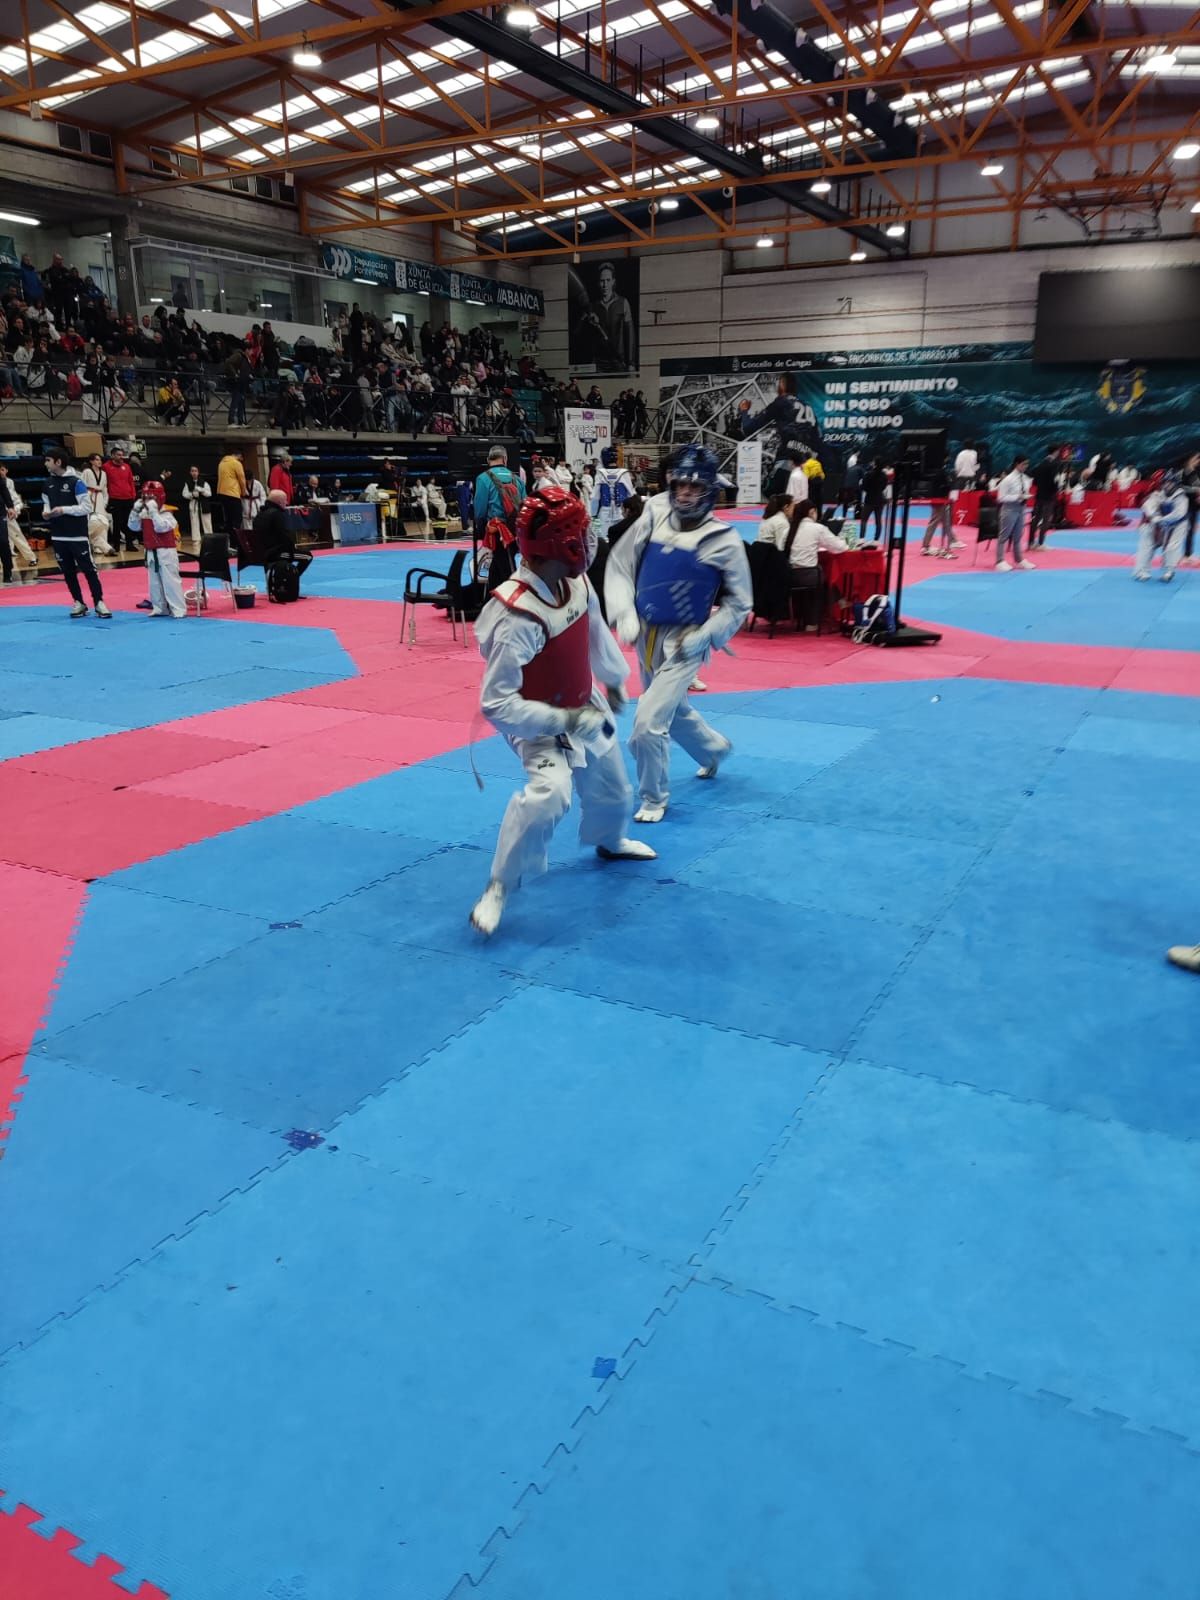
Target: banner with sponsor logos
[[421, 277], [995, 394], [586, 432], [749, 472]]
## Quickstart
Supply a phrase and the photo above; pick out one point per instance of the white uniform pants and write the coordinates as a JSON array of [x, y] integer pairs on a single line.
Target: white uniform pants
[[533, 813], [664, 713], [166, 587], [20, 543], [1171, 551]]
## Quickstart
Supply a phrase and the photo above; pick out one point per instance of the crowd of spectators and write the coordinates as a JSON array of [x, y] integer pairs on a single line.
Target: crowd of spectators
[[61, 339]]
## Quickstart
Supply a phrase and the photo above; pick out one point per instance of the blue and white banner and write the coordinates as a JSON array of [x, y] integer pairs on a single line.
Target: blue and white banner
[[422, 277]]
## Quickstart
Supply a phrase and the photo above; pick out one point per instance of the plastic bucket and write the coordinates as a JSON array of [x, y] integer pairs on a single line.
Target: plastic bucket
[[244, 598]]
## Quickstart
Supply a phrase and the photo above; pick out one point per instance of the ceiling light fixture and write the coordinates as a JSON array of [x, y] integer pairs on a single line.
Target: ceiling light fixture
[[896, 230], [707, 122], [19, 216], [1159, 61], [1187, 151], [991, 169], [305, 56], [521, 17], [822, 186], [858, 255], [765, 243], [669, 204]]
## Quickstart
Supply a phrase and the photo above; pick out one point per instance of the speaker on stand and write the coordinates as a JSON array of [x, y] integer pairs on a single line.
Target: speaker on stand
[[897, 535]]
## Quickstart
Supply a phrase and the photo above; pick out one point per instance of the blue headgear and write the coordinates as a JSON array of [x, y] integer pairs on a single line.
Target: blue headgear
[[1171, 481], [608, 456], [698, 465]]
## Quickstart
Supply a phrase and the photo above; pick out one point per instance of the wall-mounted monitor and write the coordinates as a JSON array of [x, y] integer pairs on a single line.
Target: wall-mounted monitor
[[1136, 314]]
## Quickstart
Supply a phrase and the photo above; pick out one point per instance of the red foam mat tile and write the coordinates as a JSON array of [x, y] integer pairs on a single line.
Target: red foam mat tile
[[44, 907], [395, 691], [268, 780], [117, 828], [33, 1567], [393, 741], [22, 786], [264, 722], [127, 758]]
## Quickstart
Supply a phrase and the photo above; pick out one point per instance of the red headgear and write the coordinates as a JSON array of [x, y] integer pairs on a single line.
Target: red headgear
[[550, 527], [153, 490]]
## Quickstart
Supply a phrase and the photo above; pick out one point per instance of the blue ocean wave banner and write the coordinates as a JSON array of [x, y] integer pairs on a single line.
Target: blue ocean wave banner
[[1144, 415]]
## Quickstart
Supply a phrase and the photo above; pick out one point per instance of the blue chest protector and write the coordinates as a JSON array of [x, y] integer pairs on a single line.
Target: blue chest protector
[[613, 492], [675, 587]]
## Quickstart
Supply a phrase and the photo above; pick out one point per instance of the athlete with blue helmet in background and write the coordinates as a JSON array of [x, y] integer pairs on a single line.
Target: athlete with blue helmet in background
[[677, 585]]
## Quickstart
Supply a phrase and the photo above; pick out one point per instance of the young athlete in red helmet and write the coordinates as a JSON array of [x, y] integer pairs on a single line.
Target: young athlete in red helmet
[[158, 531], [546, 646]]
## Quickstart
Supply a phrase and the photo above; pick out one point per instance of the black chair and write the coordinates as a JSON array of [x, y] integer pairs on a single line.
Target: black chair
[[771, 585], [212, 562], [248, 553], [417, 594]]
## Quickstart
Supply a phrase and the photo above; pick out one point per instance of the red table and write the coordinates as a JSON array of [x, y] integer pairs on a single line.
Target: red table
[[850, 576], [1097, 509]]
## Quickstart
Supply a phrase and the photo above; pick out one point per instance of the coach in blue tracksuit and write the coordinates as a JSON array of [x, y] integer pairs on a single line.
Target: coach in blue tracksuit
[[66, 506]]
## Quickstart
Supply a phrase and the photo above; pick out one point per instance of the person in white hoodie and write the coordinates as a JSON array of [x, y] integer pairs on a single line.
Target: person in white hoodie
[[546, 647], [1013, 493], [662, 583], [98, 519]]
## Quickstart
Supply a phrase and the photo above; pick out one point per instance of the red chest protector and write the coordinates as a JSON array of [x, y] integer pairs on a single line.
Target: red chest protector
[[561, 672]]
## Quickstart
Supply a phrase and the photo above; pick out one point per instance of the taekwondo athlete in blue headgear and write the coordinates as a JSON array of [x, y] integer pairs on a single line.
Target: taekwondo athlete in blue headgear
[[612, 488], [677, 585], [1164, 523]]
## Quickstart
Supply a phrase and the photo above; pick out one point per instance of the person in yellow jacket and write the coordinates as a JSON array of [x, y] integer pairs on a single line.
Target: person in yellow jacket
[[815, 473], [231, 490]]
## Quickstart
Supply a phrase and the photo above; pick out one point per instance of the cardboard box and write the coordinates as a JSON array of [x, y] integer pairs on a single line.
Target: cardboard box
[[84, 444]]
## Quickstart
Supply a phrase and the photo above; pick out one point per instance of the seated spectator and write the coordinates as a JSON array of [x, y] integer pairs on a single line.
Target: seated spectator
[[274, 539], [805, 537], [776, 521]]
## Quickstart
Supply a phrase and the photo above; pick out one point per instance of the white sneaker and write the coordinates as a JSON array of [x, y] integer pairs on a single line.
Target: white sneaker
[[1027, 566], [1003, 566], [696, 686], [1166, 577], [715, 766], [926, 551], [648, 812], [957, 544], [1186, 956], [1141, 577], [627, 850], [78, 609], [489, 908], [947, 555]]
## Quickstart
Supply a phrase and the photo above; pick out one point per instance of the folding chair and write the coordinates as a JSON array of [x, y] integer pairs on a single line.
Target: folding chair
[[212, 562]]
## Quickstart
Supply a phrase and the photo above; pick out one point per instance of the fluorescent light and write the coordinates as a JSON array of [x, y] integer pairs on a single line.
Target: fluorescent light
[[765, 243], [425, 292], [521, 17], [265, 305], [822, 186], [370, 282], [858, 255], [475, 302], [1187, 151], [306, 56], [19, 216], [706, 121], [991, 169], [1160, 61], [896, 230], [670, 204], [156, 299]]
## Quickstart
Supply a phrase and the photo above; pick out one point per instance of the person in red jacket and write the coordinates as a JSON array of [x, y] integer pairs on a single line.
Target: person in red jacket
[[122, 492], [281, 478]]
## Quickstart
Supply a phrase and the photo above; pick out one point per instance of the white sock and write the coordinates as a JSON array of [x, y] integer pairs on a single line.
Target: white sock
[[489, 908]]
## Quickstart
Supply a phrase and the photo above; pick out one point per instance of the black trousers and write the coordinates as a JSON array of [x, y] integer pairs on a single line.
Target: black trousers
[[231, 513], [6, 564], [1042, 519], [1193, 515], [873, 508], [120, 511], [75, 556]]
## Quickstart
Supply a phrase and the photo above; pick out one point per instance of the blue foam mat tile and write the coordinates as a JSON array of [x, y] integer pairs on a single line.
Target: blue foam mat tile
[[754, 1454], [288, 1032], [492, 756], [1037, 889], [27, 734], [127, 943], [830, 967], [1032, 1243], [278, 869], [808, 743], [1121, 736], [94, 1174], [697, 826], [1094, 795], [965, 789], [427, 907], [869, 705], [745, 783], [398, 1362], [987, 708], [1106, 1036], [1125, 703], [632, 1086], [837, 867], [422, 801]]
